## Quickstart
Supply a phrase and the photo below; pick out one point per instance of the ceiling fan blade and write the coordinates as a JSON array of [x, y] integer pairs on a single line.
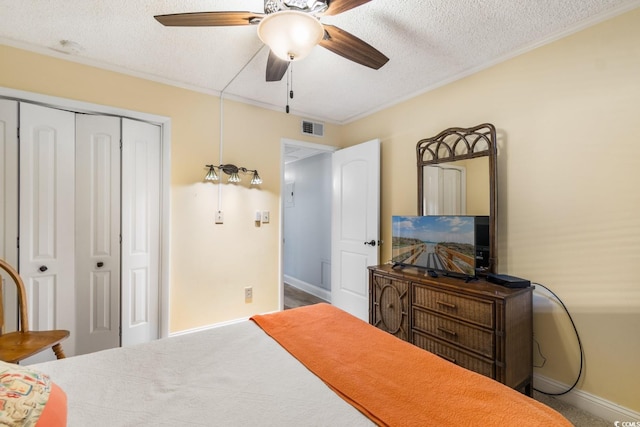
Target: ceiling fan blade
[[208, 19], [276, 67], [349, 46], [339, 6]]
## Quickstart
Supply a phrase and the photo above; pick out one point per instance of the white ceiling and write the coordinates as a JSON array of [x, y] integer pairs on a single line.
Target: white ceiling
[[428, 42]]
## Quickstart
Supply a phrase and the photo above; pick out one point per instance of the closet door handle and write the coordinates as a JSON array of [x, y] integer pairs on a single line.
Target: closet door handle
[[43, 268], [100, 264], [370, 243]]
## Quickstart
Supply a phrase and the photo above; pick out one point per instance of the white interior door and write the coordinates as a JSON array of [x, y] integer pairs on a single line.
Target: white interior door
[[141, 167], [9, 205], [355, 225], [97, 232], [46, 253]]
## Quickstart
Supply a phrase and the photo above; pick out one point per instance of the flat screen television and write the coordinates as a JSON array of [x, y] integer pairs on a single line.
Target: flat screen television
[[456, 245]]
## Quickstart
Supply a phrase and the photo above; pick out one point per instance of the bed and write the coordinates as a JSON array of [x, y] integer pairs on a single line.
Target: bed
[[311, 366]]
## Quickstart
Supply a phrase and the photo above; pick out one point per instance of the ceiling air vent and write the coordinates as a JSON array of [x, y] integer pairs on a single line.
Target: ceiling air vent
[[312, 128]]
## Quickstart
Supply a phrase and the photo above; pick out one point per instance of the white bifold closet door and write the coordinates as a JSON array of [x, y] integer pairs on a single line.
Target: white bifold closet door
[[9, 206], [117, 284], [89, 223], [47, 219], [141, 179], [97, 234]]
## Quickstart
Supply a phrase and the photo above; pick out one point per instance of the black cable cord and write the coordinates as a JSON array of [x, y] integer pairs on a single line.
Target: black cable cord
[[579, 345], [544, 359]]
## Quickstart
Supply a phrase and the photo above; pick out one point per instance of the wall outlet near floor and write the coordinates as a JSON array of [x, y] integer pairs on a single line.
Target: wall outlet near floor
[[248, 294]]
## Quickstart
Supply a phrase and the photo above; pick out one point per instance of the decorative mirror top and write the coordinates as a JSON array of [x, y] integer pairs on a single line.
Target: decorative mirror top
[[456, 144]]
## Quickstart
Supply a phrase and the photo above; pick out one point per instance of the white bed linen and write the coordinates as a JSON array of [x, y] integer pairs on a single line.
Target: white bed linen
[[234, 375]]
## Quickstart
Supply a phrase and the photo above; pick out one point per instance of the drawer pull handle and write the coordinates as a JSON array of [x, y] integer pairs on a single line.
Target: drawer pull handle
[[447, 331], [389, 305], [450, 359], [446, 304]]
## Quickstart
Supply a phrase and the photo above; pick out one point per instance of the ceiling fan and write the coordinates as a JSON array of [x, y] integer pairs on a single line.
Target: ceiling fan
[[291, 28]]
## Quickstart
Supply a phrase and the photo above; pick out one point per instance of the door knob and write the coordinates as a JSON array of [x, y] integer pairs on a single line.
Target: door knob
[[370, 243], [43, 268], [100, 264]]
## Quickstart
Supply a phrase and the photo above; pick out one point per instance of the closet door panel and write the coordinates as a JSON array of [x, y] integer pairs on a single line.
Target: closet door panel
[[97, 232], [47, 264], [141, 164], [9, 205]]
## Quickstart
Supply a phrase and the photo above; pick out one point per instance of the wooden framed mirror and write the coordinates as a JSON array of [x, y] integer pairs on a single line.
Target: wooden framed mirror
[[457, 173]]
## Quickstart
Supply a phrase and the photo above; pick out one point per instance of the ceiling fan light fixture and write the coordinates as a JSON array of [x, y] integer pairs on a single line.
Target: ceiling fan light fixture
[[290, 34]]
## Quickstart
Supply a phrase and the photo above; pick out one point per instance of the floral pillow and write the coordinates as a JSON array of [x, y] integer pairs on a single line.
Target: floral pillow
[[29, 398]]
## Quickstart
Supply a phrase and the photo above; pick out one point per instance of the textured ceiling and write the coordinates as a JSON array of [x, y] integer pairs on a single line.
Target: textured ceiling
[[428, 42]]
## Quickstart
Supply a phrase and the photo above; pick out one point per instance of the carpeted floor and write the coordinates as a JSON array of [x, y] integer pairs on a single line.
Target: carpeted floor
[[578, 417]]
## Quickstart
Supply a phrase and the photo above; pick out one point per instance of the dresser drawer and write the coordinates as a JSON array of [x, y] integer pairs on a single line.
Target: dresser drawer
[[473, 338], [454, 355], [474, 310]]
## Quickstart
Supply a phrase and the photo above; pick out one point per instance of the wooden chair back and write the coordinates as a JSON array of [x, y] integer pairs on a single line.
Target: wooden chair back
[[22, 298], [1, 306]]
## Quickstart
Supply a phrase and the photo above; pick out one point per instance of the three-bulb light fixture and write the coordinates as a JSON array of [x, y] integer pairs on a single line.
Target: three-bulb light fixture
[[233, 172]]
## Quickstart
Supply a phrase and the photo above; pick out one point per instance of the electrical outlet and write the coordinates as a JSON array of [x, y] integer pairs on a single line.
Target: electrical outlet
[[219, 217], [248, 294], [265, 217]]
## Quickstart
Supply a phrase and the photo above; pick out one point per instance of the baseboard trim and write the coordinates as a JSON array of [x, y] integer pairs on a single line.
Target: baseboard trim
[[207, 327], [314, 290], [586, 401]]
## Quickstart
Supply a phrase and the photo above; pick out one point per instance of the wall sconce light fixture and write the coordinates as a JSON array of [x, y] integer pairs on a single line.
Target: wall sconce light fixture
[[232, 171]]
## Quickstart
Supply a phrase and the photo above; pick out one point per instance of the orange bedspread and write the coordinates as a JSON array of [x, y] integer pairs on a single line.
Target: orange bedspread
[[393, 382]]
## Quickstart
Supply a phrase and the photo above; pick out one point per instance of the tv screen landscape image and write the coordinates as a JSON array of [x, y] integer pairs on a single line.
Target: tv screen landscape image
[[439, 243]]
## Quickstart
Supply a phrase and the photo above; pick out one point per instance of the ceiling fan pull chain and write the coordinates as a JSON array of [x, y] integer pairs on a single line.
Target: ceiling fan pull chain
[[287, 107], [291, 72], [289, 86]]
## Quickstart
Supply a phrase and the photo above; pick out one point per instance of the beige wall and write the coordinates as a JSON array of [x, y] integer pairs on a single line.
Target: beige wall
[[567, 116], [568, 120], [210, 264]]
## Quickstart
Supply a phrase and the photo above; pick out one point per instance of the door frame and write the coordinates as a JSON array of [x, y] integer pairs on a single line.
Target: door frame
[[165, 184], [284, 142]]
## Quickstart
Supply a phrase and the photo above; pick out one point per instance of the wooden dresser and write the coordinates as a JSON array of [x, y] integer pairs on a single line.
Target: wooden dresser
[[478, 325]]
